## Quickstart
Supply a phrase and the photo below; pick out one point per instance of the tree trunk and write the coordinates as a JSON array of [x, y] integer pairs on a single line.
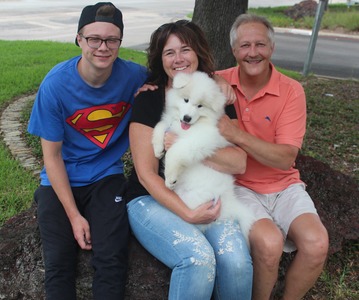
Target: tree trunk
[[216, 18]]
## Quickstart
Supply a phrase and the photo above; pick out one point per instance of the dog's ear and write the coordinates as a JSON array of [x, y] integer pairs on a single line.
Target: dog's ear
[[219, 100], [207, 87], [181, 80]]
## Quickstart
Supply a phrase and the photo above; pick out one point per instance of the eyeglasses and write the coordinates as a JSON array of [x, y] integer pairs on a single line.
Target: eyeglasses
[[95, 42]]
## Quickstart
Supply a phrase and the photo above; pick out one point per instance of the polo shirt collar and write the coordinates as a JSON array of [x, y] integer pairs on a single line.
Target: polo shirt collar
[[272, 87]]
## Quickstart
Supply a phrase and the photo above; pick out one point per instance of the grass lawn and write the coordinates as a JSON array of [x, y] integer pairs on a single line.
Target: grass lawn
[[336, 18]]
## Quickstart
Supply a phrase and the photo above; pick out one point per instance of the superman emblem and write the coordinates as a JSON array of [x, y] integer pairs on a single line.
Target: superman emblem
[[99, 123]]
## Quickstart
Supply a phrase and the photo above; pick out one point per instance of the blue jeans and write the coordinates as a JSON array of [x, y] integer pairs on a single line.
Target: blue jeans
[[204, 259]]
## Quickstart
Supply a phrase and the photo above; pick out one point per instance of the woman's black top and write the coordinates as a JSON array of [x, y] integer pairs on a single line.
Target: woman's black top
[[147, 110]]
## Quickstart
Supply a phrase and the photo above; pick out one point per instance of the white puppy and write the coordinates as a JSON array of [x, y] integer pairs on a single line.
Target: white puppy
[[193, 107]]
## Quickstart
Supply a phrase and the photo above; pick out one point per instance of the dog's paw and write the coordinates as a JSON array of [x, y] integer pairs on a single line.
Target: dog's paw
[[170, 179], [170, 184], [159, 150]]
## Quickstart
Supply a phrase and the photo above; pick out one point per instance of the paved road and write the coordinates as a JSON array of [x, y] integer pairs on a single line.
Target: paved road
[[57, 21], [334, 56]]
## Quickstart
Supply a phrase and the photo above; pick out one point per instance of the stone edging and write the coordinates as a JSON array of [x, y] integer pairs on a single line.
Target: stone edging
[[10, 128]]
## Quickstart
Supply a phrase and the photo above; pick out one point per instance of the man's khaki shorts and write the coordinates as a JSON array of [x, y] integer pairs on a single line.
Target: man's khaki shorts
[[282, 207]]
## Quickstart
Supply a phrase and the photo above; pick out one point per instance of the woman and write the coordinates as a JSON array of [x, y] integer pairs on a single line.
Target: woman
[[215, 260]]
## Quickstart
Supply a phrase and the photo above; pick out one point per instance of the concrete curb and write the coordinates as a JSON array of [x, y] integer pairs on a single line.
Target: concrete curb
[[10, 128], [308, 32]]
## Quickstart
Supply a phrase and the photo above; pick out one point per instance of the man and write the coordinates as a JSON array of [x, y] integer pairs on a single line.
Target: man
[[81, 114], [271, 113]]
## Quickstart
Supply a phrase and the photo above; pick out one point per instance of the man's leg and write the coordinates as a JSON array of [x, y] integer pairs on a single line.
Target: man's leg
[[311, 239], [59, 245], [266, 241], [108, 220], [266, 249]]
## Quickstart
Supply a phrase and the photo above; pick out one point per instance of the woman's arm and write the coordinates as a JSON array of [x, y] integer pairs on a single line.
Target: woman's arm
[[147, 165]]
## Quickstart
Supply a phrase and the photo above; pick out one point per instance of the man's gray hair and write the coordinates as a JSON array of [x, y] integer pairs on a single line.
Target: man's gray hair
[[248, 18]]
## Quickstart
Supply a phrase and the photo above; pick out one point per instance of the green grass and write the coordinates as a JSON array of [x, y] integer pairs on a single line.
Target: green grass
[[25, 63], [339, 280], [332, 126], [16, 186], [337, 16]]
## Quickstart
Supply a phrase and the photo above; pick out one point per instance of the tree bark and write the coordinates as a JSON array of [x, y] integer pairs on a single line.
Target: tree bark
[[216, 18]]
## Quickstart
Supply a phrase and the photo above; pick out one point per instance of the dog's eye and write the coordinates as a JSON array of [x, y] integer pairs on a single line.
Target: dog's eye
[[199, 105], [186, 100]]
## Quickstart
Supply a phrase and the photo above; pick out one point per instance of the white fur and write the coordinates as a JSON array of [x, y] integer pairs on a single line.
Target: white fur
[[196, 100]]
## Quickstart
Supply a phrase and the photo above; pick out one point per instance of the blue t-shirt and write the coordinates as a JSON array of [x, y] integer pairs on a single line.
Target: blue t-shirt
[[92, 123]]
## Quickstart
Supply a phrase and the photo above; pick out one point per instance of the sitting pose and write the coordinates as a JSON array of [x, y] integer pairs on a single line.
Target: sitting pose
[[81, 114], [271, 113], [204, 260]]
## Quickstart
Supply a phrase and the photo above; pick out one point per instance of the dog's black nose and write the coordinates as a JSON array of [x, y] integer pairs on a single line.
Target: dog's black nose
[[187, 118]]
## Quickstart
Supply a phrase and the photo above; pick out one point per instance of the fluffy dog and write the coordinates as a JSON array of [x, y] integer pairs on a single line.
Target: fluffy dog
[[193, 107]]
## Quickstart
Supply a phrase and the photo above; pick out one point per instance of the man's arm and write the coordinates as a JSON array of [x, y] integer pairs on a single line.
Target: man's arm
[[280, 156], [229, 160], [56, 171]]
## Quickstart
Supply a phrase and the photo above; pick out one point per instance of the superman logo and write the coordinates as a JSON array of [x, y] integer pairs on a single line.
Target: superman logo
[[99, 123]]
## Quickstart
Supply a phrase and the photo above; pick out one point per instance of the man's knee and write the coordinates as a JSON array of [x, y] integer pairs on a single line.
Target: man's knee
[[315, 247], [267, 244]]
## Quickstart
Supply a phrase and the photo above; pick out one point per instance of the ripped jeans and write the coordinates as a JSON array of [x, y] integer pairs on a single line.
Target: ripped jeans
[[205, 260]]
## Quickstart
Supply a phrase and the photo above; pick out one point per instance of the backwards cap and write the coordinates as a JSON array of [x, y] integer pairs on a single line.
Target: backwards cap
[[89, 15]]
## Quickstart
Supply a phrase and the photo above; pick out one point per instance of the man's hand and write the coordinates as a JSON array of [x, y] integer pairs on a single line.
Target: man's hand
[[145, 88], [81, 230], [228, 128]]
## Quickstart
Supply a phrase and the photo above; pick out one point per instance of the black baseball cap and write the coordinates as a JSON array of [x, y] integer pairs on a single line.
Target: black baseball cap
[[89, 15]]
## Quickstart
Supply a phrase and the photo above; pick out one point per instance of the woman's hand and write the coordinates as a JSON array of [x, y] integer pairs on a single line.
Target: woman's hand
[[169, 140], [226, 89], [205, 213]]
